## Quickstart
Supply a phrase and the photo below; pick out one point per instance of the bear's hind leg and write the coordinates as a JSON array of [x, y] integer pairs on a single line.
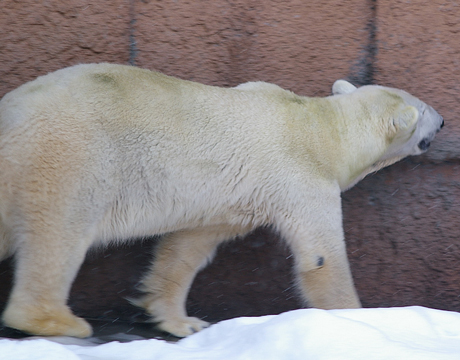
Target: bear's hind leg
[[45, 267], [179, 256]]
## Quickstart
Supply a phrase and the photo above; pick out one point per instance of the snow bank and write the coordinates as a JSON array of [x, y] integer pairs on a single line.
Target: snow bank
[[392, 333]]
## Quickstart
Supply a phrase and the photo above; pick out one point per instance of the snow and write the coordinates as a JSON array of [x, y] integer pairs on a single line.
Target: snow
[[387, 333]]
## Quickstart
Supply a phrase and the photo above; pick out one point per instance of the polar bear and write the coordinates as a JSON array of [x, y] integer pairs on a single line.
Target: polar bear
[[102, 153]]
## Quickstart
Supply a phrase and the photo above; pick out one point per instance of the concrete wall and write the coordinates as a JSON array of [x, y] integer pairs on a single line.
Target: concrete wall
[[401, 223]]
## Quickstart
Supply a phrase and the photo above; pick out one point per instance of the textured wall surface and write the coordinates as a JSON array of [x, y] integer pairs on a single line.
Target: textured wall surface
[[401, 224], [43, 36]]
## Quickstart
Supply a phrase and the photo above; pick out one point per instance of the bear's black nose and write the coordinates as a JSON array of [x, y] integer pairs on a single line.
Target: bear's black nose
[[424, 144], [442, 124]]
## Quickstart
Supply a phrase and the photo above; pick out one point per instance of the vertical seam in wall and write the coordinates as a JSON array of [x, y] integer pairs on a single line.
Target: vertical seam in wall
[[362, 71], [132, 34], [372, 44]]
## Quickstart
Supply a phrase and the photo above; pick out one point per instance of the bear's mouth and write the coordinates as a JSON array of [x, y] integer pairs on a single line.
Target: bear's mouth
[[424, 144]]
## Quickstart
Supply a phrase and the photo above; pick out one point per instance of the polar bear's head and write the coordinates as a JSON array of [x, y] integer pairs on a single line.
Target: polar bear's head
[[412, 123], [407, 124]]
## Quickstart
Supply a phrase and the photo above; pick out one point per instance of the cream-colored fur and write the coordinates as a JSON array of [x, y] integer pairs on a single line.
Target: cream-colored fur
[[98, 153]]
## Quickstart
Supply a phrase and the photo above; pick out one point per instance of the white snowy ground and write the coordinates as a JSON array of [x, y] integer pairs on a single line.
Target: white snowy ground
[[369, 334]]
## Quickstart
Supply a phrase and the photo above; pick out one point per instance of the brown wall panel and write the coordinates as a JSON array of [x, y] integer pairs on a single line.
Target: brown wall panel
[[304, 48], [402, 235], [42, 36]]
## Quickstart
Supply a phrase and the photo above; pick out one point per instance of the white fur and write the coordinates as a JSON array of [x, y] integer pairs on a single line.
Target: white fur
[[99, 153]]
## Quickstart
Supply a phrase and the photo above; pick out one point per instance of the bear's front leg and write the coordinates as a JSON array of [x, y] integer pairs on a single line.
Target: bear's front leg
[[325, 280], [321, 267]]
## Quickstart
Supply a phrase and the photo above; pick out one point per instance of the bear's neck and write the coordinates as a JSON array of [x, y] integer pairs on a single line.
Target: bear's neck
[[344, 137], [364, 139]]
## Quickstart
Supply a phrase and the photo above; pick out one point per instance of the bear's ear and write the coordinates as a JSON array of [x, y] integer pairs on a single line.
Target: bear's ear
[[342, 87], [405, 118]]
